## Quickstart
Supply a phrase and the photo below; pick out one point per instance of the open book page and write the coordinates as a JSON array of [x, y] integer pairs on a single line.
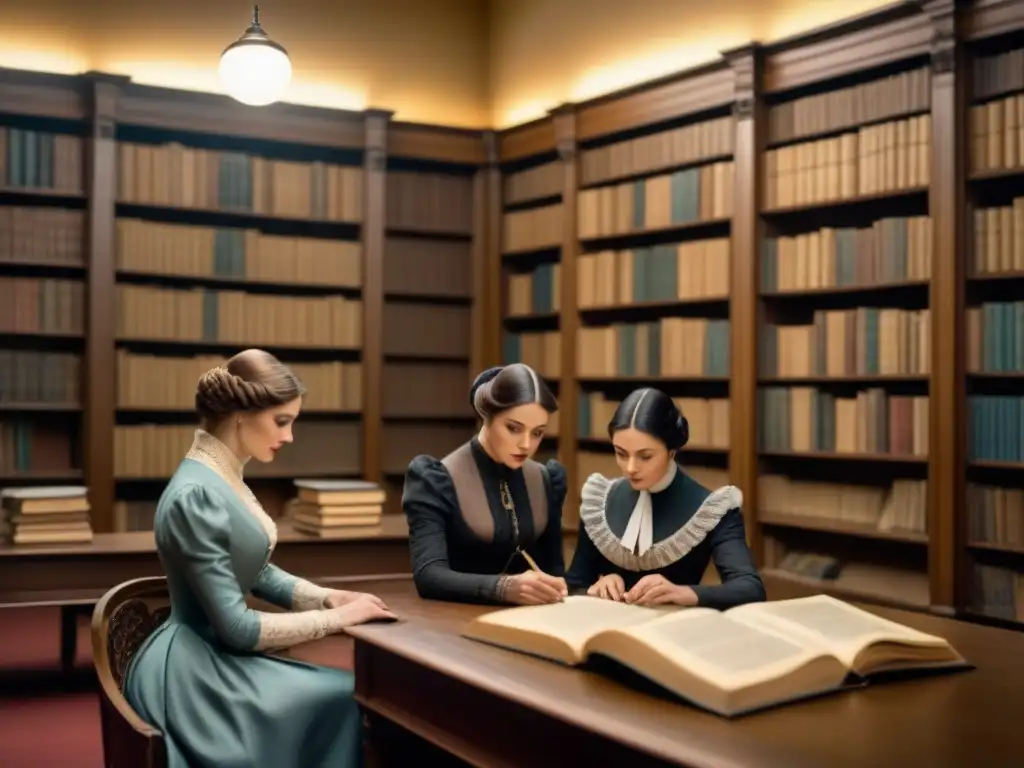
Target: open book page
[[846, 631], [559, 630], [728, 654]]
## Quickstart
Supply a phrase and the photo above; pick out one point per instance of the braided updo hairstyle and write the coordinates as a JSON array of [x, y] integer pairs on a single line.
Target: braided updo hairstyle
[[252, 380], [503, 388], [654, 413]]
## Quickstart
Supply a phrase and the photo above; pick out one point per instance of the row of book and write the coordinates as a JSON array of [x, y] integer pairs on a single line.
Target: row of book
[[541, 351], [998, 592], [239, 254], [873, 160], [545, 180], [804, 419], [44, 305], [997, 135], [41, 160], [235, 317], [671, 347], [707, 418], [891, 250], [900, 506], [867, 341], [698, 269], [429, 202], [998, 73], [535, 293], [45, 515], [532, 229], [31, 376], [995, 515], [706, 140], [657, 202], [995, 337], [871, 102], [42, 235], [208, 179], [153, 382], [995, 428], [28, 446], [320, 447], [998, 239]]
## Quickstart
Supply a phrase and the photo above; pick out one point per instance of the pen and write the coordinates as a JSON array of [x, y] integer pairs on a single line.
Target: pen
[[530, 561]]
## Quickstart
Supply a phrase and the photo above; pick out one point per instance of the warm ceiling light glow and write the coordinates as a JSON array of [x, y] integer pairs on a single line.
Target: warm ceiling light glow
[[254, 69]]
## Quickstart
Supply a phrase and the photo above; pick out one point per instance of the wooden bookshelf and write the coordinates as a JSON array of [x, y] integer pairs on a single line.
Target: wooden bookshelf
[[991, 538], [428, 306], [42, 290], [148, 234], [854, 331]]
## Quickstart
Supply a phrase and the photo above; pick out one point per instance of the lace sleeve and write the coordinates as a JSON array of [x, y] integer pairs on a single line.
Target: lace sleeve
[[307, 596], [283, 630]]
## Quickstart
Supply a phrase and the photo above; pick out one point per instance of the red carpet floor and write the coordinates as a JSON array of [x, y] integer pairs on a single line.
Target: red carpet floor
[[42, 726]]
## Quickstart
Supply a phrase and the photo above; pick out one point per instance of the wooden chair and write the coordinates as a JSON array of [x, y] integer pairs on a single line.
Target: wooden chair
[[123, 618]]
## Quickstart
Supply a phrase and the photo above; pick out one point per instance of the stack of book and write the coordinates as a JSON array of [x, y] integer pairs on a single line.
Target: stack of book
[[336, 508], [45, 515]]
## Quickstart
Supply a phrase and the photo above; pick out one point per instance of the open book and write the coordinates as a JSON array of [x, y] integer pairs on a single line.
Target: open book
[[729, 662]]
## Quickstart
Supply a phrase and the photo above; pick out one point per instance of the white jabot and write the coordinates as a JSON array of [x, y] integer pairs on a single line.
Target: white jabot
[[639, 535]]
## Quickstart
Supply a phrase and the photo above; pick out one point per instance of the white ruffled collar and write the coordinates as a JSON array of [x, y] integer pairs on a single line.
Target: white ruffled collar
[[660, 554]]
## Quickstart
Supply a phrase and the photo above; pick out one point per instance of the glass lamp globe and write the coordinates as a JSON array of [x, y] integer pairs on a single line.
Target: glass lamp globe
[[254, 69]]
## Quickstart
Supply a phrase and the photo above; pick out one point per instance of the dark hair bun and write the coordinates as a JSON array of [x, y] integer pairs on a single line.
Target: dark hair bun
[[500, 389], [682, 430], [485, 377], [220, 392]]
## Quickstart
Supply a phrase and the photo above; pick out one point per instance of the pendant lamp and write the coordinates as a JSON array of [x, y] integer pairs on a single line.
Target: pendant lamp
[[254, 69]]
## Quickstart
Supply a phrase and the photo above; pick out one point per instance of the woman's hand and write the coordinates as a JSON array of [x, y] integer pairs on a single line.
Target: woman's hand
[[654, 589], [336, 598], [610, 587], [535, 588], [362, 609]]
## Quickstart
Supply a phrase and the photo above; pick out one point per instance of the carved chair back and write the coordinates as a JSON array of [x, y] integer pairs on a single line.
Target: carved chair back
[[122, 620]]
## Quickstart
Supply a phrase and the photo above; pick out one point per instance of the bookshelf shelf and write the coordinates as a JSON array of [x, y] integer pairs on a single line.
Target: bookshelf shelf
[[843, 528], [865, 203]]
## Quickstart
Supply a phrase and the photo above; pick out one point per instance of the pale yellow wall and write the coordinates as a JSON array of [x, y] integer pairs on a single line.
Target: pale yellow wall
[[548, 52], [456, 62], [426, 59]]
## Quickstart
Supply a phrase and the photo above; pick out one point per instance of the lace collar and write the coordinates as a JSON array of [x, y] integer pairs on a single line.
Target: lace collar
[[213, 454], [208, 450], [660, 554]]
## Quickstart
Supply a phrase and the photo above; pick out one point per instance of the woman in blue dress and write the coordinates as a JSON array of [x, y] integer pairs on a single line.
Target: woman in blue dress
[[648, 537], [204, 677]]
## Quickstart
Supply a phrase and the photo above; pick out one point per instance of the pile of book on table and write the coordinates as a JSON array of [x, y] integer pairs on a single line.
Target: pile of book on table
[[336, 508], [45, 515]]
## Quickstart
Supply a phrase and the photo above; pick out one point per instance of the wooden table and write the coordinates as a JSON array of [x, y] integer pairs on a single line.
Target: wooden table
[[501, 709], [73, 577]]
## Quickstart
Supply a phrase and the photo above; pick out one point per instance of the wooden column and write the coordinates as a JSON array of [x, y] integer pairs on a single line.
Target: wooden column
[[568, 391], [374, 180], [99, 369], [487, 311], [744, 302], [947, 205]]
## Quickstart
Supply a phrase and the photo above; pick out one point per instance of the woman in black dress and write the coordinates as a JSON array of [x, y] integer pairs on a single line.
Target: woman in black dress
[[647, 537], [473, 514]]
